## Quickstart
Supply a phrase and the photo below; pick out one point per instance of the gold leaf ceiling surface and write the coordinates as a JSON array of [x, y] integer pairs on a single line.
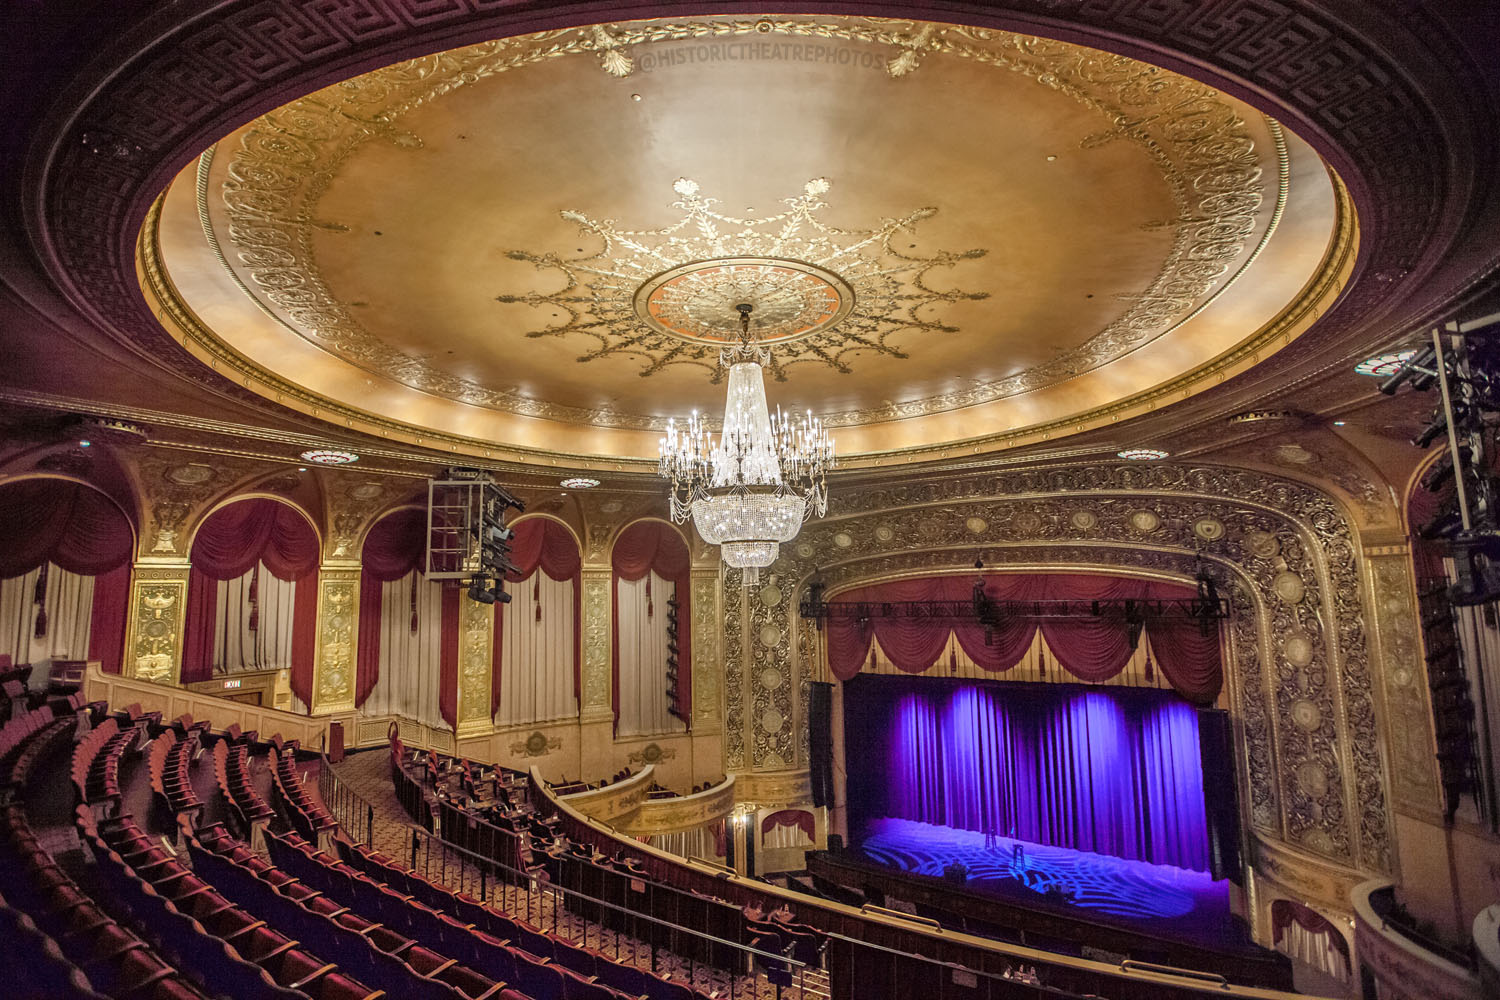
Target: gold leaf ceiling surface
[[512, 242]]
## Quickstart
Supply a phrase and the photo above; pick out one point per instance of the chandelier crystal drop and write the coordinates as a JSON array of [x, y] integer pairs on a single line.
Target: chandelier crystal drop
[[751, 489]]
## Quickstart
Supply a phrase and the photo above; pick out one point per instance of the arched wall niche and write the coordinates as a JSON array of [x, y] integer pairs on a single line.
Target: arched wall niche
[[1307, 669], [124, 504], [312, 521]]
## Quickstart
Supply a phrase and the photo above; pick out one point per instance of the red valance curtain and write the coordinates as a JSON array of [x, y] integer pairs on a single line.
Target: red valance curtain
[[1286, 912], [80, 530], [545, 544], [645, 547], [1088, 648], [229, 543], [800, 818], [68, 524], [394, 546]]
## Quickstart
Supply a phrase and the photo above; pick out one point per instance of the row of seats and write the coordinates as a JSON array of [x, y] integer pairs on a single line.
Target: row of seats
[[32, 732], [47, 908], [202, 930], [168, 765], [383, 956], [537, 963], [306, 811]]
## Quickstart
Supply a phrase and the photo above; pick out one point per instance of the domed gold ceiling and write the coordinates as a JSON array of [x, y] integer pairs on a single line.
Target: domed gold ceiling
[[954, 239]]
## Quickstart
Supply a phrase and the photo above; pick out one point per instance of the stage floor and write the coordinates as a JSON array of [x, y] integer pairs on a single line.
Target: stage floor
[[1136, 894]]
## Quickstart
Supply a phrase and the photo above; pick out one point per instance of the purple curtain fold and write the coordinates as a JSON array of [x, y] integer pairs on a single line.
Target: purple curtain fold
[[1111, 771], [71, 525], [654, 546], [394, 546], [1088, 648]]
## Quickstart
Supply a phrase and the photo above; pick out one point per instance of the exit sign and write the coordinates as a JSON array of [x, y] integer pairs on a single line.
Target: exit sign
[[231, 684]]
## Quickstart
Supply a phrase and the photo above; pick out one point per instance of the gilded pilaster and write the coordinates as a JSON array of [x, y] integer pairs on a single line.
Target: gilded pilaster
[[596, 705], [475, 666], [338, 637], [708, 653], [158, 615]]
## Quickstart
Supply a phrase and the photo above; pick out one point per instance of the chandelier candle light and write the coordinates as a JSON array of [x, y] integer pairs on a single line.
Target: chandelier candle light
[[750, 490]]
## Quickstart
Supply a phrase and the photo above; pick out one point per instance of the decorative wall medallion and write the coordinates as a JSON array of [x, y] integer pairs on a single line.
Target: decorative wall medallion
[[771, 721], [1297, 647], [884, 532], [1306, 715], [1144, 521], [367, 491], [1288, 587], [538, 744], [610, 507], [976, 525], [190, 474], [1262, 544], [770, 678], [1027, 523], [770, 595], [770, 635], [804, 550], [651, 753], [1293, 454], [1209, 529], [1312, 780], [1083, 520], [843, 539]]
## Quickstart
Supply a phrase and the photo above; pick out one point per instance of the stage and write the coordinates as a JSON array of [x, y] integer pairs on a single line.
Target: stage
[[1161, 900]]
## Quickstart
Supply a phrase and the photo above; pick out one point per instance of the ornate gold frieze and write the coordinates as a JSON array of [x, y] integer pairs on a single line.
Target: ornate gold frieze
[[284, 164], [774, 789], [353, 502], [158, 614], [708, 663], [1307, 878], [176, 487], [475, 665], [736, 669], [684, 812], [333, 665], [596, 646], [1403, 678]]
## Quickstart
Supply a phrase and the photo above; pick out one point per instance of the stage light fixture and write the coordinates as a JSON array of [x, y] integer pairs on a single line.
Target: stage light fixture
[[84, 444]]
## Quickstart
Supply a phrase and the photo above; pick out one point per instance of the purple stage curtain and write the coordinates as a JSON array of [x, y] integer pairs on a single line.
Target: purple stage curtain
[[68, 524], [394, 546], [1089, 649], [541, 543], [644, 547], [107, 618], [1110, 771], [231, 541]]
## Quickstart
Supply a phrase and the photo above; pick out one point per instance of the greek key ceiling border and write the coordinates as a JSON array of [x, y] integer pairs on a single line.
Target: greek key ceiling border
[[280, 169], [1301, 683]]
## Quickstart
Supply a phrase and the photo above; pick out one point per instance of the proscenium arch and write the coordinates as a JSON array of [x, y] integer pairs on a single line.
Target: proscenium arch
[[1307, 587]]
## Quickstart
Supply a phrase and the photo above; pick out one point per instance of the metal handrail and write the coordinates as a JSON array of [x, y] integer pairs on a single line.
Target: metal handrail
[[422, 846]]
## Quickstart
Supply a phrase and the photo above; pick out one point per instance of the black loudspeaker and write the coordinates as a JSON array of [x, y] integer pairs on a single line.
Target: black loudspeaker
[[835, 842], [1221, 801], [820, 742]]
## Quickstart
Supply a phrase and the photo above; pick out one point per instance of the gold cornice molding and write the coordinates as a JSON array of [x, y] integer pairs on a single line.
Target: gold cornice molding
[[1303, 877], [683, 812]]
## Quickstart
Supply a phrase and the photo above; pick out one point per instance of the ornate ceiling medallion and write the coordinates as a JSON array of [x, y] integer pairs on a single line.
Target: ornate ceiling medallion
[[667, 296], [329, 456]]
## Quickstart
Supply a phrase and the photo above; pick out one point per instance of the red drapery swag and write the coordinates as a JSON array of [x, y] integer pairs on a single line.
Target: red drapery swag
[[789, 817], [543, 544], [395, 545], [1285, 912], [80, 530], [1089, 649], [448, 674], [229, 543], [654, 546]]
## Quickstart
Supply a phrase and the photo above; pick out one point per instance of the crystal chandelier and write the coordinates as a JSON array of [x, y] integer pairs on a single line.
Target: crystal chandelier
[[750, 490]]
